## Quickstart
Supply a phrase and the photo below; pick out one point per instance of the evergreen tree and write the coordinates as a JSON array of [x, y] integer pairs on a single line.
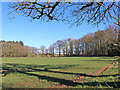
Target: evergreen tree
[[21, 43]]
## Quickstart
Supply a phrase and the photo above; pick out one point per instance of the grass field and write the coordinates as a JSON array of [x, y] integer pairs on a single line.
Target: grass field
[[57, 72]]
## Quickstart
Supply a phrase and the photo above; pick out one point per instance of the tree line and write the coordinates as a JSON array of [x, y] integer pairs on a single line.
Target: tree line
[[17, 42], [13, 49], [101, 43]]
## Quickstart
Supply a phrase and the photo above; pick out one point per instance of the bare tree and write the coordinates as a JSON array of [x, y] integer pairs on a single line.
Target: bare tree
[[42, 48], [51, 50], [46, 52], [95, 12], [70, 46], [59, 45], [66, 47], [77, 47], [33, 50], [13, 50]]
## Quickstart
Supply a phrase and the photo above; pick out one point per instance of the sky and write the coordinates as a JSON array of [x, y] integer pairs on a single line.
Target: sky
[[37, 33]]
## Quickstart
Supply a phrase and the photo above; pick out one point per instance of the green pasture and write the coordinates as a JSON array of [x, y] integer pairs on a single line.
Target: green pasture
[[51, 72]]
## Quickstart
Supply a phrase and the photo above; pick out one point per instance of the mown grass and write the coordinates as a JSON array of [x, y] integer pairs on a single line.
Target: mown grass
[[52, 72]]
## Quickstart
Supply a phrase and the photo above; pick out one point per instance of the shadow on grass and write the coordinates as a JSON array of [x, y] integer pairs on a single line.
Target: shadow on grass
[[98, 60], [32, 68], [24, 69], [71, 83]]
